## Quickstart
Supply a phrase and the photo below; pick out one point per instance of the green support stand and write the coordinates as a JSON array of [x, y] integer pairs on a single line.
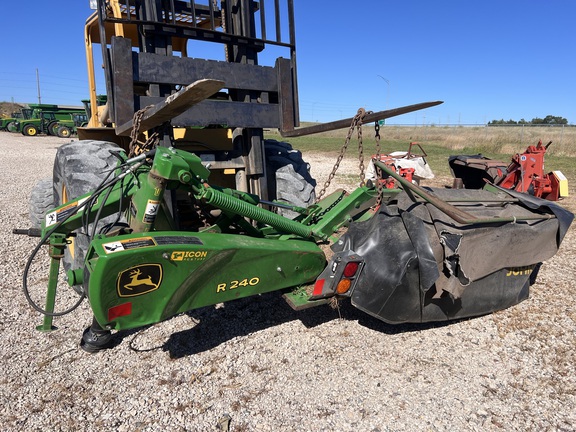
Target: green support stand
[[57, 246]]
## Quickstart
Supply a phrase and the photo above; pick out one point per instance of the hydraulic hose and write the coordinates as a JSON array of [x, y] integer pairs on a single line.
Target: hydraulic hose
[[139, 160]]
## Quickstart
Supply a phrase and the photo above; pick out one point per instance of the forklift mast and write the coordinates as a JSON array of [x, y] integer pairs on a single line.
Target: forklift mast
[[153, 48]]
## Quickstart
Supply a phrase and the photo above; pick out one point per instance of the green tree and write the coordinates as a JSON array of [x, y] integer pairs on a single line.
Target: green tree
[[557, 120], [550, 120], [497, 122], [502, 122]]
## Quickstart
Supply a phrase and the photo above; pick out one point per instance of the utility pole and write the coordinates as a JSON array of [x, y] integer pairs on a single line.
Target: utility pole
[[38, 85]]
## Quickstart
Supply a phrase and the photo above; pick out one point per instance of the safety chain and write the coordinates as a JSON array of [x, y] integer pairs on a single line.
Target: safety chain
[[331, 206], [380, 183], [361, 152], [223, 7], [377, 137], [137, 147], [356, 123]]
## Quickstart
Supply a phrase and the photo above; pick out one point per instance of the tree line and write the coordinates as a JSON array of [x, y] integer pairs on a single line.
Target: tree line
[[548, 120]]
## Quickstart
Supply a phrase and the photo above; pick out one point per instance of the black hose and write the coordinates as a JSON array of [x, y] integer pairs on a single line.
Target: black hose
[[101, 187], [27, 269]]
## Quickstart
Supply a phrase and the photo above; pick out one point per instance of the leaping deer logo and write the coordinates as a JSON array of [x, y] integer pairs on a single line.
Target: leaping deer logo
[[139, 280], [136, 282]]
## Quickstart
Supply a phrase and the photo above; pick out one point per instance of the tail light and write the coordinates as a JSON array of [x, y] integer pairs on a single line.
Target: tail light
[[351, 269], [343, 286], [339, 277]]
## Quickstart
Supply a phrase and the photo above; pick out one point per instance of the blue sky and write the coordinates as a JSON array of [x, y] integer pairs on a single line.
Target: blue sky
[[487, 60]]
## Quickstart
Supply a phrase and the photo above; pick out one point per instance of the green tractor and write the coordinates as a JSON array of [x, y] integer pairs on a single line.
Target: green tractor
[[13, 124], [44, 118], [186, 205], [37, 123], [9, 121], [67, 128]]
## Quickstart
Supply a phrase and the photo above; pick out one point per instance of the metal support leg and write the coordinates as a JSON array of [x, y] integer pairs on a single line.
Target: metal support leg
[[57, 246]]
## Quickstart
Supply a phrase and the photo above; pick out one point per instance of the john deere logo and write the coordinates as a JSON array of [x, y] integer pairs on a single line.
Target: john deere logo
[[139, 280]]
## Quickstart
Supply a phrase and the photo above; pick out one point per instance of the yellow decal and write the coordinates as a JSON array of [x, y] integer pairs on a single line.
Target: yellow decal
[[139, 280], [519, 271], [188, 255], [222, 287]]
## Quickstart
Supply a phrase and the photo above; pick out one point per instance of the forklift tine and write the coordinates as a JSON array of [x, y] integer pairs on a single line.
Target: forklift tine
[[174, 105]]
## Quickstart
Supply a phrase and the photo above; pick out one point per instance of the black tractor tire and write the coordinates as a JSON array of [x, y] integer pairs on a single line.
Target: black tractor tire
[[30, 130], [52, 128], [64, 132], [289, 179], [79, 168], [41, 200]]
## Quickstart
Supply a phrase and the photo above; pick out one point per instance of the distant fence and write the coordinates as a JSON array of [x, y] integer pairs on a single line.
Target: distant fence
[[477, 125], [498, 138], [524, 127]]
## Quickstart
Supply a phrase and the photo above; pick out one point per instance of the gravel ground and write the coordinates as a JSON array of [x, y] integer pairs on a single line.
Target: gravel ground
[[272, 369]]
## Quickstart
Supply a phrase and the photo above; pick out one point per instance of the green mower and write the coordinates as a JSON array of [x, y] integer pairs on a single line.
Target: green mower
[[407, 254]]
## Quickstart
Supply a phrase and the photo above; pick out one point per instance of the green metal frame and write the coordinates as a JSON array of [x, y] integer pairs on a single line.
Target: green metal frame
[[154, 273]]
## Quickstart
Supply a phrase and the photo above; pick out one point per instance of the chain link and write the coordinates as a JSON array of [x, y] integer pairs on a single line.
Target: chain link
[[360, 152], [378, 171], [356, 123], [223, 7], [137, 147]]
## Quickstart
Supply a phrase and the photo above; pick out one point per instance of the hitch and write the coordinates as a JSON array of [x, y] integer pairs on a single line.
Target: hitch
[[30, 232]]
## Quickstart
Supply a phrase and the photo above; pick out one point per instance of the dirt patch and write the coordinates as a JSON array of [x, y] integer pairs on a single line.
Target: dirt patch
[[7, 108]]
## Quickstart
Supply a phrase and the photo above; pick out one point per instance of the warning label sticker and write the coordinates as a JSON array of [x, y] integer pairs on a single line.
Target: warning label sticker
[[123, 245], [63, 213], [151, 211]]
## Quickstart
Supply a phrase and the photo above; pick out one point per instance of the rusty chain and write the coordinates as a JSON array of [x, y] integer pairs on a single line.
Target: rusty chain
[[223, 7], [361, 151], [356, 123], [137, 147]]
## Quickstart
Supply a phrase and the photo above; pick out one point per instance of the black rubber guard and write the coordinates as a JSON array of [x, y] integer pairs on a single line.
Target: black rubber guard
[[407, 276]]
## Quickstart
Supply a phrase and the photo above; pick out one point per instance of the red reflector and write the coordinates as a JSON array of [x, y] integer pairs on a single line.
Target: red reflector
[[120, 310], [350, 269], [318, 287]]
